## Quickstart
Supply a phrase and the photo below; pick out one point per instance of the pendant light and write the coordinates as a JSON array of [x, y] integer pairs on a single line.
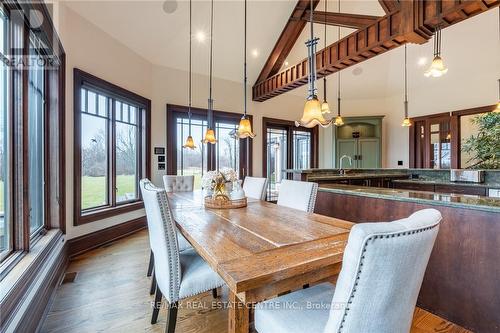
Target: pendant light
[[338, 120], [437, 68], [210, 134], [189, 141], [325, 108], [406, 121], [312, 115], [245, 127]]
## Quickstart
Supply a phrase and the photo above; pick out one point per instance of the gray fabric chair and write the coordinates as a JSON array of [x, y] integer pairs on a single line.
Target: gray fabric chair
[[178, 183], [178, 274], [173, 184], [298, 195], [377, 289], [255, 187]]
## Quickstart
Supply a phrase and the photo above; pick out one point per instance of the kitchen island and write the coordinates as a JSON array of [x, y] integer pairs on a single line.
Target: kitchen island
[[461, 281]]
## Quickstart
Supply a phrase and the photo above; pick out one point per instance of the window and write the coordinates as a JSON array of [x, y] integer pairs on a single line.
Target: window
[[191, 162], [31, 135], [286, 147], [228, 152], [36, 115], [436, 139], [112, 141], [5, 225]]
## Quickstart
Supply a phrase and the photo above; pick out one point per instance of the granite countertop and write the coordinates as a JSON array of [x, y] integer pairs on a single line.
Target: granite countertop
[[476, 202], [356, 176], [445, 182]]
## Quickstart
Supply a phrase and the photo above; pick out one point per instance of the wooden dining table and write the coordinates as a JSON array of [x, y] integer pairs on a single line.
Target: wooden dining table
[[260, 250]]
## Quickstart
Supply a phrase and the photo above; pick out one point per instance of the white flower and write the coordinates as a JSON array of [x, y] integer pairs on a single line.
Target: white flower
[[208, 179], [229, 174]]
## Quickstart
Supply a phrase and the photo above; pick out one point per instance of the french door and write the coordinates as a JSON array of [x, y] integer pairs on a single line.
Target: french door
[[228, 152], [286, 147]]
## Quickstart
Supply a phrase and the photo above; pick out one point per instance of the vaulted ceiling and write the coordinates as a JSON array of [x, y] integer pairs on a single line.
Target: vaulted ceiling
[[162, 38]]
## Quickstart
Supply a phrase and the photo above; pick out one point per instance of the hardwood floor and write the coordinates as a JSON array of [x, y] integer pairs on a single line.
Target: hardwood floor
[[110, 293]]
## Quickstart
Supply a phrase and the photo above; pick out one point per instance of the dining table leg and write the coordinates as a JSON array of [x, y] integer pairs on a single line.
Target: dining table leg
[[239, 315]]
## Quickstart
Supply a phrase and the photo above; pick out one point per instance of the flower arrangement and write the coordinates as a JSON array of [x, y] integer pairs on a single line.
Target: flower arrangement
[[215, 181]]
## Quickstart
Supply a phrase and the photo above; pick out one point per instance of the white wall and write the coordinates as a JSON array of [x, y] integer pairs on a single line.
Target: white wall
[[91, 50]]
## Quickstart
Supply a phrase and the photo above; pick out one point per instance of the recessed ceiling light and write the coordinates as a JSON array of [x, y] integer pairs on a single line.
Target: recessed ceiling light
[[200, 36], [357, 71], [422, 61], [170, 6], [286, 63], [255, 53]]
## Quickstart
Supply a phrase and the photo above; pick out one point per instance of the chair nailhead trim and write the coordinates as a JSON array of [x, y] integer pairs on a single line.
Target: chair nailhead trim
[[358, 275]]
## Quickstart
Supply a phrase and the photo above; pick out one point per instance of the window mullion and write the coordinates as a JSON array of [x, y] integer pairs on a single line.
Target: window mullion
[[112, 154]]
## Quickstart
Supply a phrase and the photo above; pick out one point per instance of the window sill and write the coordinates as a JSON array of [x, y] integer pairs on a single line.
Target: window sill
[[92, 216], [20, 262]]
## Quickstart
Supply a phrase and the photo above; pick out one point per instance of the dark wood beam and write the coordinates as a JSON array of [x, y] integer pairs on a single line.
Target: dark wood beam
[[389, 6], [287, 39], [414, 22], [352, 21]]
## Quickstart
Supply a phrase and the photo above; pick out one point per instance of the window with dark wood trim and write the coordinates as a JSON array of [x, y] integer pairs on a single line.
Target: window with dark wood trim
[[32, 168], [229, 151], [112, 143], [435, 140], [285, 146]]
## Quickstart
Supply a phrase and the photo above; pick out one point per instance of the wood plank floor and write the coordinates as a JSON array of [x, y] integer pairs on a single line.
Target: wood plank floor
[[111, 294]]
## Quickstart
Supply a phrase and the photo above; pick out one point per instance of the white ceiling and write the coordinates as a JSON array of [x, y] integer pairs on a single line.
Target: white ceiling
[[162, 38]]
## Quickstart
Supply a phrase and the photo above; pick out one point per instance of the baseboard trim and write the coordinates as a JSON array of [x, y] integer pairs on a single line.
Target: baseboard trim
[[82, 244]]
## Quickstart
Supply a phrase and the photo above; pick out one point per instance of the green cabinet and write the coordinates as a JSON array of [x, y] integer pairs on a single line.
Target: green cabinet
[[364, 153], [361, 139]]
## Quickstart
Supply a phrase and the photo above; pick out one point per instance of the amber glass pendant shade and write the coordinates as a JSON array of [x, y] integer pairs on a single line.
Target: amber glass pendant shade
[[325, 108], [312, 115], [406, 122], [437, 68], [210, 137], [189, 143], [338, 121], [245, 129]]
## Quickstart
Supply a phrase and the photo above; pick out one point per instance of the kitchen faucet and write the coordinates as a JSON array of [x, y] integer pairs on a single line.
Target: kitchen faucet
[[342, 171]]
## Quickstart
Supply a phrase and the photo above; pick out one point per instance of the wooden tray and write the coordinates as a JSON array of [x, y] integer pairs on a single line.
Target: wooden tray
[[225, 204]]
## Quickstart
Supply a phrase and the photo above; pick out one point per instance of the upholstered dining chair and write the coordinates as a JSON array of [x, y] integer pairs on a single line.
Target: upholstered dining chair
[[173, 184], [376, 291], [178, 183], [298, 195], [178, 274], [255, 187]]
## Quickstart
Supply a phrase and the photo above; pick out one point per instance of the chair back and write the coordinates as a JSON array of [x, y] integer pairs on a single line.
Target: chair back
[[298, 195], [163, 239], [178, 183], [382, 272], [255, 187]]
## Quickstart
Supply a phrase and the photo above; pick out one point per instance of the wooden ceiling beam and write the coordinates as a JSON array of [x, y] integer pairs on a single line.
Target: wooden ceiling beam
[[352, 21], [414, 22], [389, 6], [286, 40]]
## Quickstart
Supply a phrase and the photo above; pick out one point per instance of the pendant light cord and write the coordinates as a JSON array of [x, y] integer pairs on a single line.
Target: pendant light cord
[[338, 83], [210, 101], [312, 55], [190, 64], [245, 65], [406, 81], [324, 77]]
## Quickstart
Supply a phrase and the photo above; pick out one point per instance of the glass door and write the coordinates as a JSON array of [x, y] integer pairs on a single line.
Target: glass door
[[287, 147]]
